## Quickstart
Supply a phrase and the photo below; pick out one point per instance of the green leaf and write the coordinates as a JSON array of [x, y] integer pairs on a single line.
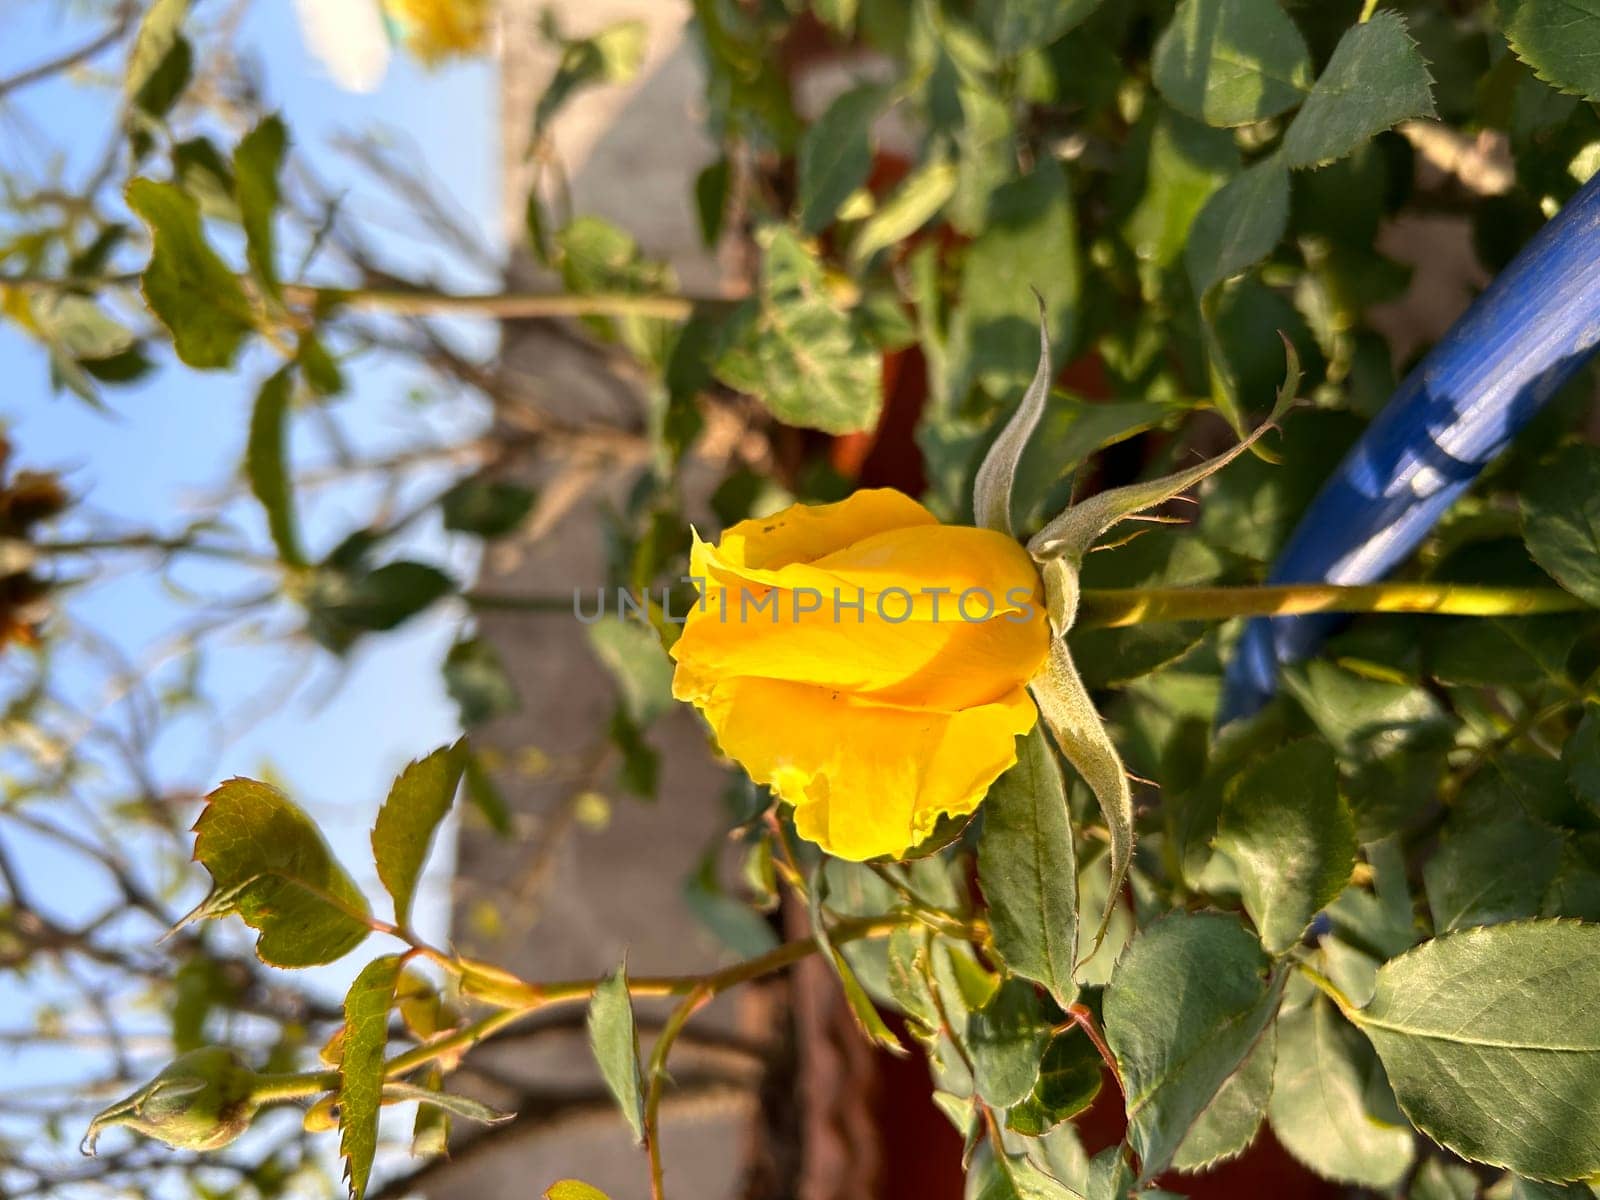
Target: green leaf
[[1184, 166], [366, 1036], [1028, 248], [1006, 1038], [1561, 520], [271, 867], [1491, 1038], [1229, 1123], [1018, 25], [1239, 226], [267, 463], [711, 199], [795, 350], [1028, 870], [614, 55], [862, 1009], [1437, 1180], [1070, 1075], [1494, 863], [1288, 831], [1231, 62], [615, 1042], [159, 35], [418, 801], [836, 156], [489, 508], [1375, 80], [1188, 1001], [1005, 1176], [911, 206], [345, 603], [256, 164], [1320, 1109], [735, 924], [1581, 756], [478, 682], [186, 285], [1557, 39], [632, 653], [486, 797], [573, 1189]]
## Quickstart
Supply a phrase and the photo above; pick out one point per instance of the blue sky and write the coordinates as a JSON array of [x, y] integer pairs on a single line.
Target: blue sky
[[177, 437]]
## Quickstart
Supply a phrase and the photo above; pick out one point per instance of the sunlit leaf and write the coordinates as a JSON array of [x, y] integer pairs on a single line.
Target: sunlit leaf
[[1028, 870], [1231, 62], [1491, 1038], [615, 1042], [186, 285], [418, 801], [1288, 830], [271, 867], [1189, 999], [1375, 79], [366, 1036]]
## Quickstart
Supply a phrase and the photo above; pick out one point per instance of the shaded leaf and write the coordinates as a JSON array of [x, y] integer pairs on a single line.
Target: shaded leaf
[[1231, 62], [1375, 80], [270, 865], [836, 155], [1028, 248], [1557, 39], [1491, 1038], [1018, 25], [1288, 831], [633, 655], [1494, 863], [159, 33], [1028, 870], [1561, 520], [1239, 226], [1186, 1004], [1006, 1038], [478, 682], [186, 285], [256, 164], [1229, 1123], [417, 802], [490, 508], [1319, 1108], [1581, 756], [615, 1042], [795, 350], [267, 463], [1070, 1074], [366, 1036], [862, 1009]]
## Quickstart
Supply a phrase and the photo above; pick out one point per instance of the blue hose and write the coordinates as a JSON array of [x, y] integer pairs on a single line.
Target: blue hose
[[1509, 353]]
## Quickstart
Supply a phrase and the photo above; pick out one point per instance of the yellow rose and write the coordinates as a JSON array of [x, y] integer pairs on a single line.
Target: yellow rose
[[438, 29], [866, 662]]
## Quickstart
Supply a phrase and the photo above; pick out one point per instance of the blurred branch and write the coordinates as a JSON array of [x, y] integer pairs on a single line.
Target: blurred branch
[[66, 61]]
